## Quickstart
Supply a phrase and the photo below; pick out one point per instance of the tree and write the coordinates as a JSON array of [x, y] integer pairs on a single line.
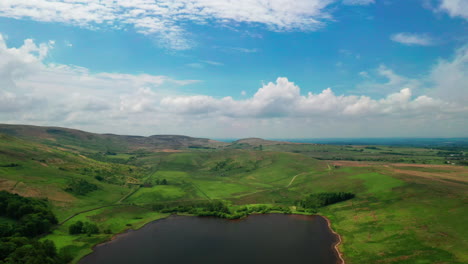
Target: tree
[[76, 228], [90, 228]]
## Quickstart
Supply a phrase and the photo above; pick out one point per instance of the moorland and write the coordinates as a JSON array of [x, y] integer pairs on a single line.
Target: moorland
[[389, 204]]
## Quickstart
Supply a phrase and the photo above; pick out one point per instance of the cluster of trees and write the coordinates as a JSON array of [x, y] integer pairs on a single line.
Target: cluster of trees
[[33, 215], [18, 240], [225, 165], [83, 228], [150, 183], [80, 186], [264, 209], [104, 157], [10, 165], [229, 165], [24, 250], [111, 173], [161, 182], [372, 147], [214, 208], [217, 208], [316, 200]]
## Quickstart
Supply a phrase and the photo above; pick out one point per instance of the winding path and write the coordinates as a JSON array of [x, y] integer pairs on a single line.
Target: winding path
[[292, 180], [89, 210]]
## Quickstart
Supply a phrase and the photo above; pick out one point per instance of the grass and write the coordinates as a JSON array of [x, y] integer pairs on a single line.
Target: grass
[[157, 193], [377, 183], [402, 219]]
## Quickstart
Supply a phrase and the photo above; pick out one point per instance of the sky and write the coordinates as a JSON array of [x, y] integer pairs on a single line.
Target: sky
[[234, 69]]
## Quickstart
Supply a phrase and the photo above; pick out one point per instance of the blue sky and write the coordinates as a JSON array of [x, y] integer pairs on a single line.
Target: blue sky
[[237, 69]]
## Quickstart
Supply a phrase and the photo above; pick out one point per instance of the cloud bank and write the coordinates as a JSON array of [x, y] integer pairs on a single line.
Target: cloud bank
[[34, 92], [165, 19]]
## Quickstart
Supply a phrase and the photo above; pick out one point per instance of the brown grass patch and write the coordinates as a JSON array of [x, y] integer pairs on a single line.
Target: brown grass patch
[[23, 189], [7, 185], [348, 163], [450, 167], [170, 150], [454, 175]]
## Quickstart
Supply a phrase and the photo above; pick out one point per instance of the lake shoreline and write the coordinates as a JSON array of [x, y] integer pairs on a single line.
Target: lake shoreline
[[130, 230], [338, 243]]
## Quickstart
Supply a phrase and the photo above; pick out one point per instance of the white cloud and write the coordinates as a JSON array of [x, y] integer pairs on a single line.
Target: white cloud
[[384, 80], [447, 80], [213, 63], [165, 19], [450, 77], [195, 65], [412, 39], [244, 50], [284, 99], [243, 93], [203, 63], [364, 74], [455, 8], [358, 2], [51, 94], [26, 82]]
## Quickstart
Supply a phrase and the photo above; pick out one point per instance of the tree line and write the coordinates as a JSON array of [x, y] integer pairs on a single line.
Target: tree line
[[80, 186], [19, 242], [317, 200], [83, 228], [216, 208]]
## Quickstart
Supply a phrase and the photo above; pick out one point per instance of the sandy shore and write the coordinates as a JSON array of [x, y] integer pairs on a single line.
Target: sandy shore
[[340, 255]]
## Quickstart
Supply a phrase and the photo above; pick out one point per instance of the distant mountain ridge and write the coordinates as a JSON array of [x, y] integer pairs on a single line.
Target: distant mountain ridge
[[75, 138], [259, 141]]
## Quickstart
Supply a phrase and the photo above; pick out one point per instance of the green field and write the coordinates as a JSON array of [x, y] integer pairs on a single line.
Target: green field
[[403, 212]]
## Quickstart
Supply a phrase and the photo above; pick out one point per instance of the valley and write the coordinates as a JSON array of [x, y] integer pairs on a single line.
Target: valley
[[409, 202]]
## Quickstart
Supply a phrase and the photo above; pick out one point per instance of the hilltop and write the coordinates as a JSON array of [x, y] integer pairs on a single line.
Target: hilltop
[[79, 140], [262, 142]]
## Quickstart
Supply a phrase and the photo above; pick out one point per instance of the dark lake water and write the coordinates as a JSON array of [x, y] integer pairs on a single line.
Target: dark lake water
[[270, 238]]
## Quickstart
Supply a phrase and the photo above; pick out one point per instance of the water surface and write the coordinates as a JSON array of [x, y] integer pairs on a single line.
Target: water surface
[[270, 238]]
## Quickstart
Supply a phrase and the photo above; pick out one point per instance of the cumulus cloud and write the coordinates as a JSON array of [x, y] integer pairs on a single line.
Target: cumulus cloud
[[53, 94], [284, 99], [455, 8], [26, 83], [450, 77], [165, 19], [412, 39]]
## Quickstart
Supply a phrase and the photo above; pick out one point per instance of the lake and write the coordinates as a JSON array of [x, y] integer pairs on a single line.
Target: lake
[[269, 238]]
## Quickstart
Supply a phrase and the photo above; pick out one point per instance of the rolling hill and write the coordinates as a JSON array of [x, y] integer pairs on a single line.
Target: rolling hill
[[81, 140], [402, 212]]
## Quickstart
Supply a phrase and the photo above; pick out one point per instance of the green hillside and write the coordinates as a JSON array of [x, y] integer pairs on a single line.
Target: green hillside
[[82, 141], [401, 213]]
